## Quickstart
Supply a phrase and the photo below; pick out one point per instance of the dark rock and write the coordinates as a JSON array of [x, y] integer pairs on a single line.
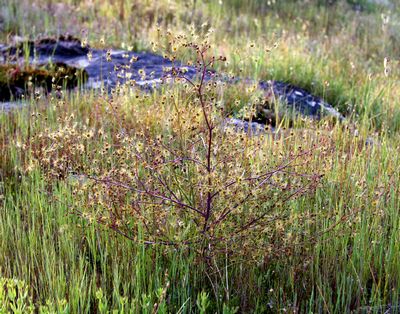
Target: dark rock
[[147, 69], [295, 99], [62, 47], [253, 128]]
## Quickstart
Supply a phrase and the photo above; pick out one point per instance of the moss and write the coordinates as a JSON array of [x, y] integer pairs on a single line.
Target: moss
[[15, 80]]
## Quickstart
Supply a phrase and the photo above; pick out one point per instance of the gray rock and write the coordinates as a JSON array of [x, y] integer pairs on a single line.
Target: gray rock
[[253, 128], [298, 100]]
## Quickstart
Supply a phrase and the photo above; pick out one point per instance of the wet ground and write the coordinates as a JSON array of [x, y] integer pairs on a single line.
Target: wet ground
[[108, 68]]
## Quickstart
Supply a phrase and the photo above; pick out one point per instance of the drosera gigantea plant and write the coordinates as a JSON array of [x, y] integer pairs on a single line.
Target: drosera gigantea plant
[[203, 134], [193, 183]]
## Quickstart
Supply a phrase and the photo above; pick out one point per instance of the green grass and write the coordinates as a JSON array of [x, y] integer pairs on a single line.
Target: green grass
[[66, 264]]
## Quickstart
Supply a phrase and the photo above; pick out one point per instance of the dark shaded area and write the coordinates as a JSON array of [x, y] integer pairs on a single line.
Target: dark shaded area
[[17, 81]]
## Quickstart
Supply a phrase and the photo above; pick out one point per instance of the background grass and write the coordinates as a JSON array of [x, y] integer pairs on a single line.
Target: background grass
[[334, 50]]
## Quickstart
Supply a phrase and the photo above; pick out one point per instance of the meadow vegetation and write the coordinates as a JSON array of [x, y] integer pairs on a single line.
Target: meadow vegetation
[[146, 202]]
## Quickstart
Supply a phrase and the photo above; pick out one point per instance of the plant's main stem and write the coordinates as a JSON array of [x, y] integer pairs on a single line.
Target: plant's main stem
[[210, 128]]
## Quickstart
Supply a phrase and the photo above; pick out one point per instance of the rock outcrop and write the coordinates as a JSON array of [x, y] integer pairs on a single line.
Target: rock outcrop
[[108, 68]]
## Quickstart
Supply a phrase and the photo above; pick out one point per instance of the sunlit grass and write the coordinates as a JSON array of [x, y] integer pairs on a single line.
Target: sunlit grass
[[348, 231]]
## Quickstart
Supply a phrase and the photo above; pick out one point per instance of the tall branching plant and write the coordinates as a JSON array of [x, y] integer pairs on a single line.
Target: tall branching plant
[[201, 183], [181, 175]]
